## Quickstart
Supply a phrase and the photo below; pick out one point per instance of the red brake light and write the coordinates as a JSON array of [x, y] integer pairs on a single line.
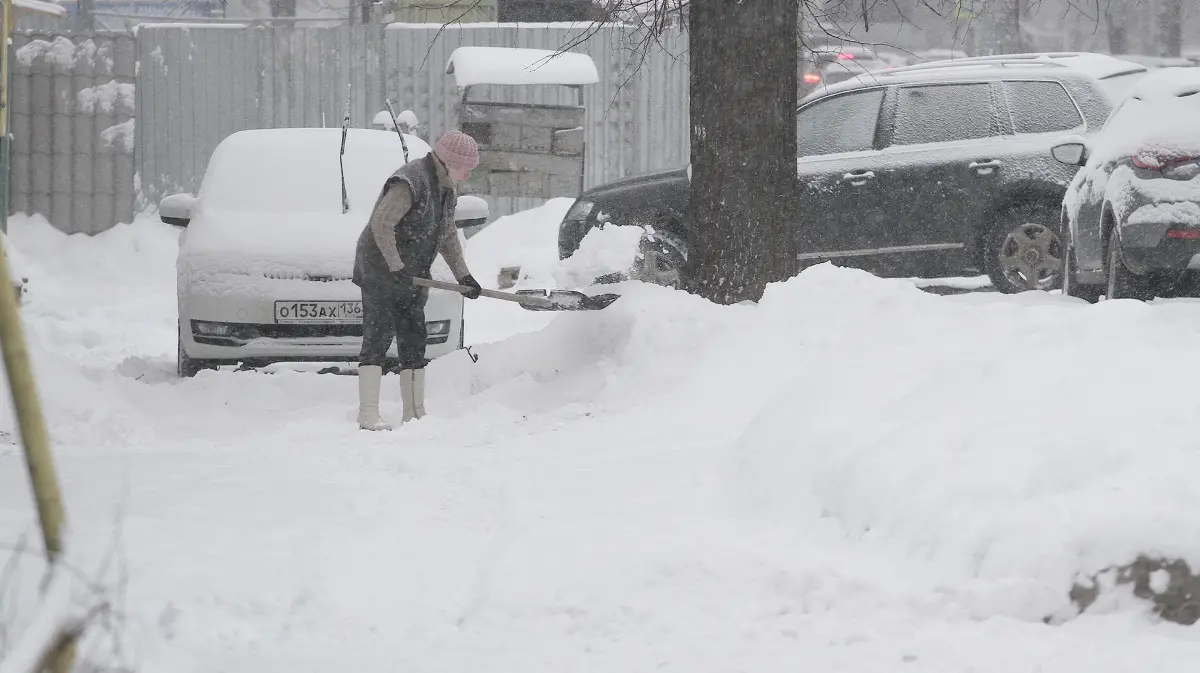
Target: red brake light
[[1157, 160], [1186, 234], [842, 56], [812, 78]]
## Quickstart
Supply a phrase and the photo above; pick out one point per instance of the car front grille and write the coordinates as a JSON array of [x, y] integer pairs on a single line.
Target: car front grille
[[307, 331], [312, 277], [239, 334]]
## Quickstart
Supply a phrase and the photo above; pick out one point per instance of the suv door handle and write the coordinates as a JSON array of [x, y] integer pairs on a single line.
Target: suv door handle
[[984, 167], [858, 179]]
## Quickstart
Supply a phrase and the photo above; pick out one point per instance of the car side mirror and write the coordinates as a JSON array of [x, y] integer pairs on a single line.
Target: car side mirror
[[1071, 153], [470, 211], [176, 209]]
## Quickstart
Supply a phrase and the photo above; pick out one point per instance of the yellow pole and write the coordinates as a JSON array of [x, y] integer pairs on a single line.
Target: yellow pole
[[29, 418], [30, 421], [34, 439]]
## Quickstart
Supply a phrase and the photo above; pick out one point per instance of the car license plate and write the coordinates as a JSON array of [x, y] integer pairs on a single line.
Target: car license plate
[[318, 312]]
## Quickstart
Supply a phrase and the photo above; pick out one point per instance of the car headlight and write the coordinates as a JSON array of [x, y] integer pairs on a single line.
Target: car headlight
[[437, 328], [579, 211]]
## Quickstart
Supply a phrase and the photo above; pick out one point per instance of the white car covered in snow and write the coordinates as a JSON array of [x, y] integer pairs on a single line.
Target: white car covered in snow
[[267, 254]]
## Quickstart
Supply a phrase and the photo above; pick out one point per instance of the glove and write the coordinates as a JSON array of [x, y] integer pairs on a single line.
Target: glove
[[470, 282]]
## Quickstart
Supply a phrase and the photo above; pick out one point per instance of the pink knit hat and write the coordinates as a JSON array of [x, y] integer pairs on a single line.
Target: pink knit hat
[[457, 150]]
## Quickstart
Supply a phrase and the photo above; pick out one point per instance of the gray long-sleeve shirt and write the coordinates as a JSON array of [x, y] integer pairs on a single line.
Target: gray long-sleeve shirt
[[393, 205]]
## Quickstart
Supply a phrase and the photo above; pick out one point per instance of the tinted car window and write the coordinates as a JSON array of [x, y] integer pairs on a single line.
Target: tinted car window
[[943, 113], [1041, 107], [843, 123]]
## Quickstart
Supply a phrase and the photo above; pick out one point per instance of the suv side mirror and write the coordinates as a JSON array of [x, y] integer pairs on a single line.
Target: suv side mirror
[[470, 211], [1072, 152], [176, 209]]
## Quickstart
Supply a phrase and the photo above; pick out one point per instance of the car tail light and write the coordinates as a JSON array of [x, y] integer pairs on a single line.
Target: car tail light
[[1157, 160], [812, 78], [1184, 234], [842, 56]]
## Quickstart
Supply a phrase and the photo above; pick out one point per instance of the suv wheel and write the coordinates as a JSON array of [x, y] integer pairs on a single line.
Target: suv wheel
[[660, 259], [1123, 283], [1024, 254]]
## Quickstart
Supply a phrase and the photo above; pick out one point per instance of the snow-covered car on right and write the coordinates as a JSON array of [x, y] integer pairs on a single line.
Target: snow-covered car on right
[[1131, 216]]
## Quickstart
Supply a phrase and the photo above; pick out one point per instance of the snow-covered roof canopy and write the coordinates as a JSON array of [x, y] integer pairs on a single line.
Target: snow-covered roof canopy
[[41, 6], [505, 65]]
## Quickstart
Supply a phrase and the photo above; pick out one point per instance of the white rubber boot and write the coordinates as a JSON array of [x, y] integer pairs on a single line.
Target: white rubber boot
[[412, 391], [369, 379], [419, 393], [407, 394]]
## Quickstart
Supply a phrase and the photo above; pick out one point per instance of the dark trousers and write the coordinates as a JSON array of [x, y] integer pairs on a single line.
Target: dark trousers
[[393, 311]]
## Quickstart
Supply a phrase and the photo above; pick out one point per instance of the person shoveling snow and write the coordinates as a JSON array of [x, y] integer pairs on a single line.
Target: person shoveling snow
[[412, 222]]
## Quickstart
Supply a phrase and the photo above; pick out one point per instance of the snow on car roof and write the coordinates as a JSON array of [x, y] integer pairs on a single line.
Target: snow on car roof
[[1096, 67], [274, 196], [1168, 83], [1162, 115], [296, 170], [504, 65]]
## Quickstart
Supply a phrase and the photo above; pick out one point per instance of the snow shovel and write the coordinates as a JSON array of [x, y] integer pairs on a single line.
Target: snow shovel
[[532, 300]]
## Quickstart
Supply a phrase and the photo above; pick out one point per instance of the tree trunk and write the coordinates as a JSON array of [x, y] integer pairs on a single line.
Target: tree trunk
[[742, 60], [1170, 27], [1115, 18], [1000, 27]]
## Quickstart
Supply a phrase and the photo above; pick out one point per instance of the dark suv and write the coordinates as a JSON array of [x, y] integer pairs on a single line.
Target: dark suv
[[933, 170]]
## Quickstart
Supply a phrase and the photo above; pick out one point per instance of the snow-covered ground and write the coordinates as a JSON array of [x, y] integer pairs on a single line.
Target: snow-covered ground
[[852, 475]]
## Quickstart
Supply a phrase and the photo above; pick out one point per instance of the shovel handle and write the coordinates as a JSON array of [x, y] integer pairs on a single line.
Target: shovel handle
[[494, 294]]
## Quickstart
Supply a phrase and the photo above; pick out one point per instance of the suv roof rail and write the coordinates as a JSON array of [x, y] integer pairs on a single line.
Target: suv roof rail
[[1108, 65]]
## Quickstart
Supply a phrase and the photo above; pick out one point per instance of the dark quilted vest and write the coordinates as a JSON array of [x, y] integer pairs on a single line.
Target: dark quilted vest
[[418, 234]]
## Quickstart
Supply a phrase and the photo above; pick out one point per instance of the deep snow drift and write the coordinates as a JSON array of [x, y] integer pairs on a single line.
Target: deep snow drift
[[852, 475]]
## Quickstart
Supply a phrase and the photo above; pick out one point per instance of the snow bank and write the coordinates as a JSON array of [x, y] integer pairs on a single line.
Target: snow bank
[[957, 435], [78, 333], [852, 474], [18, 271], [1002, 444], [603, 251], [528, 239]]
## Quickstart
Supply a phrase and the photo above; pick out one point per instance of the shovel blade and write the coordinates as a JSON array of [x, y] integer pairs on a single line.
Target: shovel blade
[[566, 300]]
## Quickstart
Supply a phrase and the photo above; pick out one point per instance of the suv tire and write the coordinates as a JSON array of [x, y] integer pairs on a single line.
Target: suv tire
[[1123, 283], [1089, 293]]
